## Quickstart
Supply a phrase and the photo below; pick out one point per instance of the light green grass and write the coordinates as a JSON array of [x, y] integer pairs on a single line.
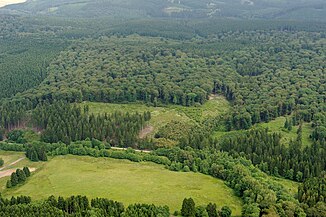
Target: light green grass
[[164, 115], [10, 157], [277, 126], [125, 181]]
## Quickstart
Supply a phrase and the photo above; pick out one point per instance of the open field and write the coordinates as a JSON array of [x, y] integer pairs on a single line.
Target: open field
[[163, 115], [124, 181]]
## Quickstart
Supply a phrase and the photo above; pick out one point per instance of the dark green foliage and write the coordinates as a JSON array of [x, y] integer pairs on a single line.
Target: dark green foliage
[[313, 191], [1, 162], [18, 177], [11, 146], [109, 207], [27, 172], [239, 174], [8, 184], [66, 123], [251, 210], [25, 54], [12, 114], [21, 175], [36, 152], [225, 211], [248, 71], [16, 136], [211, 210], [201, 212], [14, 179], [188, 208], [2, 133], [140, 210], [267, 152], [77, 206]]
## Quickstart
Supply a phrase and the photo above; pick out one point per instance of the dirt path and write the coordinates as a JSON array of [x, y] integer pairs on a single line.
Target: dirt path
[[147, 130], [13, 163], [137, 150], [10, 171]]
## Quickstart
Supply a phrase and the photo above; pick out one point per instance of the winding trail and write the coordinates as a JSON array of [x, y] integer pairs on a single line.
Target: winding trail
[[4, 173]]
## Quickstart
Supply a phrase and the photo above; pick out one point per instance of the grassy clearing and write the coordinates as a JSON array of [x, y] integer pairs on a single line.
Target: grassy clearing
[[277, 125], [12, 157], [161, 116], [125, 181]]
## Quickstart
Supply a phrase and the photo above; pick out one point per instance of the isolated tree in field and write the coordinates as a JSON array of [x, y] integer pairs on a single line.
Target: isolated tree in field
[[188, 208], [211, 210], [1, 162]]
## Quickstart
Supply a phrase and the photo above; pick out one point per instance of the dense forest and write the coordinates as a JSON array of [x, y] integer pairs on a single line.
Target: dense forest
[[266, 69]]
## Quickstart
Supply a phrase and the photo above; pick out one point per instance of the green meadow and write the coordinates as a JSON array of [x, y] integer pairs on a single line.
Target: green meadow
[[124, 181]]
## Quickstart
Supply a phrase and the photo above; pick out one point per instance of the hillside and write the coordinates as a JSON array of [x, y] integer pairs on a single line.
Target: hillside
[[247, 9]]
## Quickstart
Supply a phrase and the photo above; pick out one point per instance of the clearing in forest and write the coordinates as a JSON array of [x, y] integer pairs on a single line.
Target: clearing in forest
[[125, 181], [217, 105]]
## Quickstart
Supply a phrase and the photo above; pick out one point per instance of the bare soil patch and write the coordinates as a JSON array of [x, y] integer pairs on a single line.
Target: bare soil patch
[[10, 171], [147, 130]]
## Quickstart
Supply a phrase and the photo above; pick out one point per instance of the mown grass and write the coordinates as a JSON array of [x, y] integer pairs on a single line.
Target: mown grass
[[125, 181]]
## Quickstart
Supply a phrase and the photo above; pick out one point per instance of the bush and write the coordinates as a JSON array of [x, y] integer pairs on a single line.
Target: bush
[[16, 136]]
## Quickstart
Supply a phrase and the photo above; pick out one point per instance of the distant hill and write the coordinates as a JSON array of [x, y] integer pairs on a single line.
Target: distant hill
[[243, 9]]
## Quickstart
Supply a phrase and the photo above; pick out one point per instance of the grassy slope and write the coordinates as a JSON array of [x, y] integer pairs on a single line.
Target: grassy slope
[[277, 125], [10, 157], [125, 181], [163, 115]]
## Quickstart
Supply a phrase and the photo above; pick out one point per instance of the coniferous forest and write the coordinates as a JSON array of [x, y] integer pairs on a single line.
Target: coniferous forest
[[62, 62]]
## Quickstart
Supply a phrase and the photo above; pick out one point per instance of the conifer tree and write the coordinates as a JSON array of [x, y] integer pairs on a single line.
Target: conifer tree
[[188, 208], [27, 171], [14, 179]]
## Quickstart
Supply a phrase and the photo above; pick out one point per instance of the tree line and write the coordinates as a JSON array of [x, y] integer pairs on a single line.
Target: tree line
[[83, 206], [264, 149], [63, 122], [18, 177]]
